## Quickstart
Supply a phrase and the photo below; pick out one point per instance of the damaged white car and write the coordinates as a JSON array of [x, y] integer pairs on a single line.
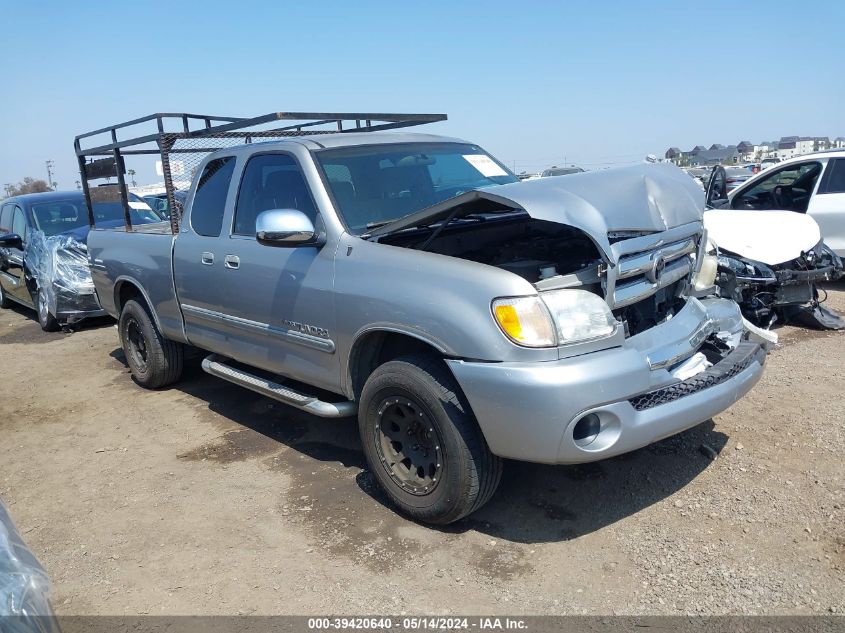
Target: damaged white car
[[770, 262]]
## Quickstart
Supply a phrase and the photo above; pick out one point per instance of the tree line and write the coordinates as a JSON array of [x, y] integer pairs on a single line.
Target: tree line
[[28, 185]]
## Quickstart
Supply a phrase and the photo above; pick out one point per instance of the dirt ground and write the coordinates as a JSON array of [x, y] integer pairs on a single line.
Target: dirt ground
[[208, 499]]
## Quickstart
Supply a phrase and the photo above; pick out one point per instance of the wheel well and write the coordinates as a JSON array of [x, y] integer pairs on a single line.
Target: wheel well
[[376, 348], [125, 291]]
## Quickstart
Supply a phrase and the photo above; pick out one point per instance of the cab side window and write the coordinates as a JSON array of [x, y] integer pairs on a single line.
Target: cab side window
[[271, 181], [210, 198], [19, 223]]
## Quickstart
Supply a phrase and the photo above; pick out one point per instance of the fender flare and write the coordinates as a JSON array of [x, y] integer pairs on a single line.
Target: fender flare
[[440, 346], [118, 283]]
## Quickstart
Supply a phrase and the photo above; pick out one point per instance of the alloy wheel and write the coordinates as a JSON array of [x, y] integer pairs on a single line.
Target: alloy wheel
[[408, 445]]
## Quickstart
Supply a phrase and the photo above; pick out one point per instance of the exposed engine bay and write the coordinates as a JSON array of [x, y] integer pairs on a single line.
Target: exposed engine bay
[[533, 249], [546, 254]]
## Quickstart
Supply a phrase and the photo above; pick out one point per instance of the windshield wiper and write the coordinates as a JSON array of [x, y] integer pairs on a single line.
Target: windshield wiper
[[375, 225]]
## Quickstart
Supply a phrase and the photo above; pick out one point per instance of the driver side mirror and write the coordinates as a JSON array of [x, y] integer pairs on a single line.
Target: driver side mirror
[[287, 228], [11, 240]]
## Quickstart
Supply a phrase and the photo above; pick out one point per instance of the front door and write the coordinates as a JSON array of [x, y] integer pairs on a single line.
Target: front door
[[279, 311]]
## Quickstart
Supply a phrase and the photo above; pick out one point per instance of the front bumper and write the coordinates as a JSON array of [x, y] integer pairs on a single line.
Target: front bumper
[[527, 411]]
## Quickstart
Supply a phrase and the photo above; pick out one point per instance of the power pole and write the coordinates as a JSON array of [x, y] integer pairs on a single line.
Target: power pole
[[50, 182]]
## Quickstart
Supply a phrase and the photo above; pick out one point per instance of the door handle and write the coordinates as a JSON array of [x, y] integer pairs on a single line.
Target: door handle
[[208, 258], [232, 261]]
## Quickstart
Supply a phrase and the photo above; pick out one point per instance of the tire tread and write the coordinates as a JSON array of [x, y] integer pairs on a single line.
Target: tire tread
[[483, 470], [165, 357]]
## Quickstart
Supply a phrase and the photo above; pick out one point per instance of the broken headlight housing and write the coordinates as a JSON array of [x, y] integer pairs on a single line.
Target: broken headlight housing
[[825, 253], [557, 317], [746, 270]]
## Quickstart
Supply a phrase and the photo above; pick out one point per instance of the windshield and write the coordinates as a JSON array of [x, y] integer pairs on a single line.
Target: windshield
[[60, 216], [376, 184]]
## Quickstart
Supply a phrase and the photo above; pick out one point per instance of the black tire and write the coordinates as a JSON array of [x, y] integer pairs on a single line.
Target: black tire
[[155, 361], [5, 302], [421, 390], [46, 320]]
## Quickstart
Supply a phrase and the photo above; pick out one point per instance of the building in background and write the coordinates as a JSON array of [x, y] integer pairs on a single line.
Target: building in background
[[748, 152]]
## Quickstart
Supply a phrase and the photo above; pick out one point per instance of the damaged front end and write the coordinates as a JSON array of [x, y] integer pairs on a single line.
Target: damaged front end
[[771, 263], [632, 236], [611, 259], [786, 292], [57, 266]]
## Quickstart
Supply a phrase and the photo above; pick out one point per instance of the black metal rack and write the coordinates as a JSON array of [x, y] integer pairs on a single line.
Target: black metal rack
[[195, 135]]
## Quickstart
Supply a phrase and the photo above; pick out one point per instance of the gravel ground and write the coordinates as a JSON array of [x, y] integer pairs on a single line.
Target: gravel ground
[[207, 499]]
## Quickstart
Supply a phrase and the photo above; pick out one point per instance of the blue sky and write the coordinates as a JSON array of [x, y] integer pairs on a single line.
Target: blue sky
[[534, 83]]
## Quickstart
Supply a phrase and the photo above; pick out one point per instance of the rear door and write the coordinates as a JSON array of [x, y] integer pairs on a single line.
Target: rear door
[[198, 258], [279, 312], [827, 207]]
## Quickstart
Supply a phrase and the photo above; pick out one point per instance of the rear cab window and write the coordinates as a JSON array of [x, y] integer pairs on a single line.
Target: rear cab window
[[209, 203]]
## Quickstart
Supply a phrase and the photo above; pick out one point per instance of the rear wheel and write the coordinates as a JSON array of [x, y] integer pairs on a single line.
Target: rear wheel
[[154, 360], [5, 302], [46, 320], [423, 444]]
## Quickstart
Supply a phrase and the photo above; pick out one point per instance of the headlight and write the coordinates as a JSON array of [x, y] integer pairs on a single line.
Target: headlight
[[525, 320], [579, 315], [558, 317], [747, 269]]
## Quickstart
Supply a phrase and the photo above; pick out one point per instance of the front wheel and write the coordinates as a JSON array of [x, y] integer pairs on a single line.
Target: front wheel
[[46, 320], [422, 443], [154, 361]]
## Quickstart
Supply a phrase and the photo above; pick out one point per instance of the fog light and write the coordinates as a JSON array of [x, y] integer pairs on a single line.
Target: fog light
[[586, 430]]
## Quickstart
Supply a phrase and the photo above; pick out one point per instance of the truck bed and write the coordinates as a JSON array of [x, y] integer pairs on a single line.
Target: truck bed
[[142, 258]]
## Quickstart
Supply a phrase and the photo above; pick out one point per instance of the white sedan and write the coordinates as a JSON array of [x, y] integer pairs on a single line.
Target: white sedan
[[813, 184]]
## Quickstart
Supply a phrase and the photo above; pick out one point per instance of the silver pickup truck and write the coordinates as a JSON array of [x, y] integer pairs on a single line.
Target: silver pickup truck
[[464, 316]]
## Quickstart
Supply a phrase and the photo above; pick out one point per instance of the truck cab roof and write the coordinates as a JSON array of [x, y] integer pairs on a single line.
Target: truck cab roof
[[347, 139]]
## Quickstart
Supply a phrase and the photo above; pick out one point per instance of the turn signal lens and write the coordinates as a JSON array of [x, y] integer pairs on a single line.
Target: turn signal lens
[[525, 321]]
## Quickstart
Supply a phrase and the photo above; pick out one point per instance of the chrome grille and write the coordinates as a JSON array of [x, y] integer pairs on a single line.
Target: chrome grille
[[641, 274]]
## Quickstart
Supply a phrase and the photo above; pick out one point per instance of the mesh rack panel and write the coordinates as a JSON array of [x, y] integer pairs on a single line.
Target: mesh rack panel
[[181, 157]]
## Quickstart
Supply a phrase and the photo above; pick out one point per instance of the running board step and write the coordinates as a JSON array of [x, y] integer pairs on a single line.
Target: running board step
[[215, 365]]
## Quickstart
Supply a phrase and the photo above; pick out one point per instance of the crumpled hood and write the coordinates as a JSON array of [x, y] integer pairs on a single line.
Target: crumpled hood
[[770, 237], [646, 197]]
